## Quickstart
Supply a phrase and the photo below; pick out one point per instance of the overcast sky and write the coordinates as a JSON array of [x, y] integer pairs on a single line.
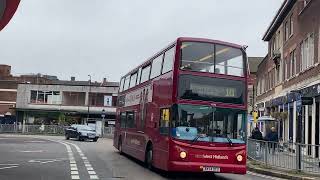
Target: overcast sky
[[107, 38]]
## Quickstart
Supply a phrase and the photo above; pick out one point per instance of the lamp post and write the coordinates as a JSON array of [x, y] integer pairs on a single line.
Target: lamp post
[[103, 115], [88, 114]]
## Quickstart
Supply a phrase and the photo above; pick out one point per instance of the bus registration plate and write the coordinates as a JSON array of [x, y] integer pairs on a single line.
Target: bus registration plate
[[210, 169]]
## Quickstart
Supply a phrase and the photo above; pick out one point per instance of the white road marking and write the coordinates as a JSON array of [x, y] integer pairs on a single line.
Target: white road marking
[[94, 177], [263, 176], [75, 177], [74, 172], [73, 165], [9, 167], [87, 164], [91, 172], [34, 141], [89, 168], [35, 151], [45, 161], [9, 164]]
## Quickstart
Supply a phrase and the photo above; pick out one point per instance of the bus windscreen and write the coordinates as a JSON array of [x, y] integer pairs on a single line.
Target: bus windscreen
[[212, 58], [208, 124]]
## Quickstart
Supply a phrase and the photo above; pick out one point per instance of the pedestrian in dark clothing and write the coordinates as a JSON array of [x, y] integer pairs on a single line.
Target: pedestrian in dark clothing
[[256, 134], [273, 139]]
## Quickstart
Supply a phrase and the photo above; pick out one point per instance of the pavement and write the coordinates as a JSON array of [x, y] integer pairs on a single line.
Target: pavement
[[52, 157]]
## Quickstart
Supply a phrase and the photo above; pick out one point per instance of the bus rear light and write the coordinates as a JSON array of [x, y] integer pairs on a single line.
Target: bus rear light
[[239, 158], [183, 155]]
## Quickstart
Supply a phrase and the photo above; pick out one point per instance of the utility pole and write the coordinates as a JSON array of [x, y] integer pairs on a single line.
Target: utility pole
[[88, 115]]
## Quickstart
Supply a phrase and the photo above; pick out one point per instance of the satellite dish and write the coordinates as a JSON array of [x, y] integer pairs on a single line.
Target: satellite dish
[[7, 10]]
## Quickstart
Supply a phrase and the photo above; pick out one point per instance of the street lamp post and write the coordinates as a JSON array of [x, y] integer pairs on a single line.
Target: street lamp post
[[88, 114], [103, 115]]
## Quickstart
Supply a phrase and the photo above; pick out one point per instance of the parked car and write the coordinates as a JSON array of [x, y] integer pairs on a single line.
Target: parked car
[[81, 132]]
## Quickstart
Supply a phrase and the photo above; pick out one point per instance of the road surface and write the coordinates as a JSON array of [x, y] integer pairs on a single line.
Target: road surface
[[47, 157]]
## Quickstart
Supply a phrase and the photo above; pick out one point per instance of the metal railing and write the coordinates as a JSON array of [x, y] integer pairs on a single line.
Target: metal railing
[[290, 156], [43, 129]]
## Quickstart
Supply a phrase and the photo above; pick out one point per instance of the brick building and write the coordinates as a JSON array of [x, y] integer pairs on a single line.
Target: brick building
[[253, 66], [288, 79], [9, 85]]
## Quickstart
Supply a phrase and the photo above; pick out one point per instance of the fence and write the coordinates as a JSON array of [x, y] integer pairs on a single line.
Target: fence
[[43, 129], [290, 156]]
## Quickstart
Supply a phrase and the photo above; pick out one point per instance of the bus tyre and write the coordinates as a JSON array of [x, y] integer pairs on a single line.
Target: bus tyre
[[120, 146], [149, 157]]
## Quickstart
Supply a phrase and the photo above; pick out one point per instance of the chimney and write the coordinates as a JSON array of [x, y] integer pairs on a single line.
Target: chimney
[[104, 80], [73, 78]]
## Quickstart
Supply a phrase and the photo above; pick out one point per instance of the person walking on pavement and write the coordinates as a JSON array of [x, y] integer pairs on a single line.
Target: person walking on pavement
[[273, 139], [256, 134]]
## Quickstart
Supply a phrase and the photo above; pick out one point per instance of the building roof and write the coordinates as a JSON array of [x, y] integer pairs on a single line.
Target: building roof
[[254, 63], [85, 83], [81, 83], [279, 17]]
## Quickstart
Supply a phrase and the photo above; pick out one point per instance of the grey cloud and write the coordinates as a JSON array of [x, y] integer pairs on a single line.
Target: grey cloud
[[106, 38]]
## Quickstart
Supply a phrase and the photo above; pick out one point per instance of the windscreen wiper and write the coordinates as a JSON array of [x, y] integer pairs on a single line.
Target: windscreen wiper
[[197, 137], [229, 140]]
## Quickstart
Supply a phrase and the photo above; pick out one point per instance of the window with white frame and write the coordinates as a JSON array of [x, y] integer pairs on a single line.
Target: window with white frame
[[291, 24], [307, 52], [285, 69], [293, 63], [286, 31], [280, 69], [45, 97], [263, 85]]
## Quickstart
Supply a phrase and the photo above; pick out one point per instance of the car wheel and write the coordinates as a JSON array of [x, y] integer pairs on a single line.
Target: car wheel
[[67, 137], [149, 157], [95, 139]]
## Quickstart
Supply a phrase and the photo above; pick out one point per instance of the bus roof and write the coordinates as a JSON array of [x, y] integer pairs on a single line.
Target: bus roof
[[181, 39]]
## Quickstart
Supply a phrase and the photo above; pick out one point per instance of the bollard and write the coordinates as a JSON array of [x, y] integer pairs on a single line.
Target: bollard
[[298, 157]]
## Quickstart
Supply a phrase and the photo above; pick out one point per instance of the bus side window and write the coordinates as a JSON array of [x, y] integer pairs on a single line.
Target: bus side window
[[130, 120], [145, 74], [123, 120], [168, 60], [164, 121]]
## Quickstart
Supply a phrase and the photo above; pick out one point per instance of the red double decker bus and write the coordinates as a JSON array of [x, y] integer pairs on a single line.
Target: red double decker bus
[[184, 109]]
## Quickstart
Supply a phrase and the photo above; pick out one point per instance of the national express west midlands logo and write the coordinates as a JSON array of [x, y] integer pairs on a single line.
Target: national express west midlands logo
[[211, 156]]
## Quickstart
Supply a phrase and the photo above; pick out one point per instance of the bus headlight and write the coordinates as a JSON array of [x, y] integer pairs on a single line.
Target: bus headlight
[[183, 154], [239, 158]]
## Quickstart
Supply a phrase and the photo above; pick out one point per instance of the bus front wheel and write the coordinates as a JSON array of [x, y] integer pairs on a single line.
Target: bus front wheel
[[149, 157]]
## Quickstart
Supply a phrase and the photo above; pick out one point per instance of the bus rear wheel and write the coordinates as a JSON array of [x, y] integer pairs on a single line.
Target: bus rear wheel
[[149, 157]]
